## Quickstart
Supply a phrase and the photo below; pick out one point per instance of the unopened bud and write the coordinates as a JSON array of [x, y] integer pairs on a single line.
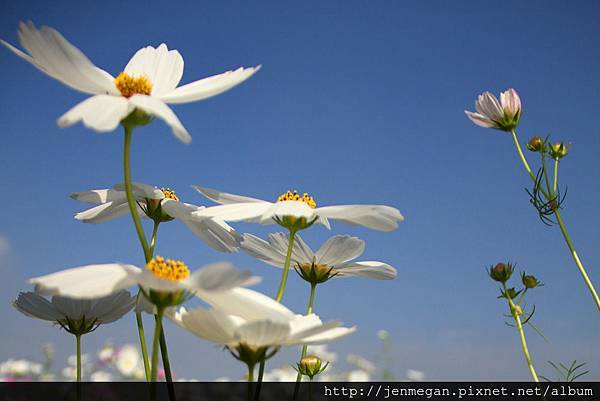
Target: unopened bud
[[530, 281], [501, 272], [535, 144], [559, 150], [311, 366]]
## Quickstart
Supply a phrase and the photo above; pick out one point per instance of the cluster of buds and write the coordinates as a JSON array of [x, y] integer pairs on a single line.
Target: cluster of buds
[[556, 150], [311, 365], [502, 272]]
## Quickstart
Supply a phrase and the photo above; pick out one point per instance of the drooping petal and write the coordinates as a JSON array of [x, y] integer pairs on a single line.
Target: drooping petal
[[158, 108], [73, 308], [36, 306], [218, 277], [488, 105], [223, 197], [163, 67], [87, 282], [217, 234], [371, 269], [248, 304], [339, 249], [481, 120], [208, 87], [113, 307], [101, 112], [310, 330], [105, 212], [98, 196], [376, 217], [262, 333], [141, 191], [202, 323], [262, 250], [327, 335], [52, 54]]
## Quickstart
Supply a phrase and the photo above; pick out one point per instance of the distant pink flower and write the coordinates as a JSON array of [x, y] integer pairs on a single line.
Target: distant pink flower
[[491, 113]]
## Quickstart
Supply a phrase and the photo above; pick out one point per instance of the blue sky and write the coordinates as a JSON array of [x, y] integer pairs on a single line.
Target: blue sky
[[357, 102]]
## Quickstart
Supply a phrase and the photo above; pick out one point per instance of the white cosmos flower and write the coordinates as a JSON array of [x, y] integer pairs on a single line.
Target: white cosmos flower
[[158, 204], [128, 360], [242, 317], [148, 82], [491, 113], [167, 276], [76, 314], [19, 368], [242, 208], [335, 257]]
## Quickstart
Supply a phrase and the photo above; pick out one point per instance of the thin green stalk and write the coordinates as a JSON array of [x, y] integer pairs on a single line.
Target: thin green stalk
[[286, 266], [164, 353], [153, 239], [517, 317], [140, 233], [560, 223], [142, 336], [78, 340], [130, 199], [309, 310], [545, 171], [261, 372], [587, 280], [555, 175], [250, 381], [155, 345]]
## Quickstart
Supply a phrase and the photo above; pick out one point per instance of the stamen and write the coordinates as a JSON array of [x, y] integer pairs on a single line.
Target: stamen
[[169, 194], [294, 196], [129, 86], [169, 269]]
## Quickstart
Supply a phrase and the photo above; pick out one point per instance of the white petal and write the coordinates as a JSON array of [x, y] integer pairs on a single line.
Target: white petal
[[274, 251], [208, 87], [203, 323], [99, 196], [488, 105], [218, 277], [252, 212], [163, 67], [262, 250], [105, 212], [376, 217], [339, 249], [288, 208], [217, 234], [328, 335], [142, 191], [73, 308], [51, 53], [101, 113], [262, 333], [86, 282], [372, 269], [158, 108], [481, 120], [113, 307], [248, 304], [223, 197], [34, 305]]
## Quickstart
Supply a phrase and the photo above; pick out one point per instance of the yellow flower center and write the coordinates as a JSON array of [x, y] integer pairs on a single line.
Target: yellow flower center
[[129, 86], [169, 269], [294, 196], [169, 194]]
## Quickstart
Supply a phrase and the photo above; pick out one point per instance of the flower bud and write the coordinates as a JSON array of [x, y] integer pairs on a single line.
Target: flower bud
[[530, 281], [311, 366], [558, 150], [535, 144], [501, 272]]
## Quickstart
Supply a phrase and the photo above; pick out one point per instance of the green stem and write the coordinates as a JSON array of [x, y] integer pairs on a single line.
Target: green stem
[[250, 381], [517, 317], [155, 344], [555, 184], [561, 224], [78, 340], [153, 239], [587, 280], [140, 233], [286, 266], [261, 372], [164, 352], [545, 171], [309, 310], [142, 336]]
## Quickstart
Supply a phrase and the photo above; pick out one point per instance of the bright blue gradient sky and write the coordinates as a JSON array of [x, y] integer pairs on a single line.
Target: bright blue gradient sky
[[357, 102]]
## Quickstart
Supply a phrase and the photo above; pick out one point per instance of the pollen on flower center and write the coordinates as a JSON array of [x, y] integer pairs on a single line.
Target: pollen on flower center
[[168, 269], [294, 196], [169, 194], [129, 86]]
